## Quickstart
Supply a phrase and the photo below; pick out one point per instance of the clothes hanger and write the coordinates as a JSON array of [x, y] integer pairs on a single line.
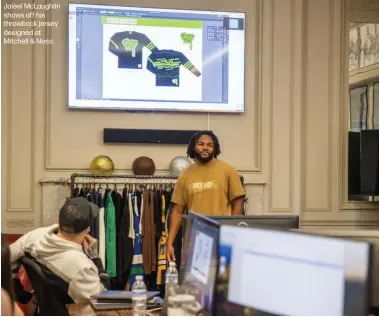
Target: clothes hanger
[[99, 188], [115, 184]]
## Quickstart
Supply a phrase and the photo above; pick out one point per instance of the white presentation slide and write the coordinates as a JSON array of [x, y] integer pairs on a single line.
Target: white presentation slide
[[283, 274], [202, 255], [123, 83]]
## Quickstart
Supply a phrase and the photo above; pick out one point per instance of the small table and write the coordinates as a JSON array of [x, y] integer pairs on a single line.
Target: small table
[[87, 310]]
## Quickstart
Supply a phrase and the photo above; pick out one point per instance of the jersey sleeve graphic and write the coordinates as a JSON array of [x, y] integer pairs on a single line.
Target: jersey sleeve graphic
[[127, 46], [165, 64]]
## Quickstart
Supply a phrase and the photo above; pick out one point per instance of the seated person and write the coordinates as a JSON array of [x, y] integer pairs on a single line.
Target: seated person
[[8, 305], [64, 252]]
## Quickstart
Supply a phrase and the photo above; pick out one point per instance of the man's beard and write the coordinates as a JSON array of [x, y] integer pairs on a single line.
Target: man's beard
[[203, 160]]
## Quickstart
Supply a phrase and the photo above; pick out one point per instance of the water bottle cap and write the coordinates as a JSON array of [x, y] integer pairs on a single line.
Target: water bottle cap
[[139, 278]]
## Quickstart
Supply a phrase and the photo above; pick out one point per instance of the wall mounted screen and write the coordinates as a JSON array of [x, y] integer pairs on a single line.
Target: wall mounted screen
[[130, 58]]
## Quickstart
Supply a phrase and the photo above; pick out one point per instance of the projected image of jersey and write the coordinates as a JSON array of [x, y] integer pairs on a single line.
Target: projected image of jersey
[[165, 64], [128, 47]]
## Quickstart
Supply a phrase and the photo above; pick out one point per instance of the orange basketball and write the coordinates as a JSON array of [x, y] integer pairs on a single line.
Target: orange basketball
[[143, 165]]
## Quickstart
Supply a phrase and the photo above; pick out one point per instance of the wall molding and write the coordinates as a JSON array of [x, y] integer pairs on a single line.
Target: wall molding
[[304, 53], [288, 209], [365, 69], [11, 124], [345, 224], [363, 4], [304, 116], [361, 16], [20, 223], [258, 89]]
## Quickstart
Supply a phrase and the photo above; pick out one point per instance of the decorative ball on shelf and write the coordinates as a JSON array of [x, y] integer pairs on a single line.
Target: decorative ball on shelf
[[143, 165], [102, 165], [178, 165]]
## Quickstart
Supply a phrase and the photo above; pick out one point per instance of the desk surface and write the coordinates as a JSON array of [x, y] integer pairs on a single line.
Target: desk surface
[[87, 310]]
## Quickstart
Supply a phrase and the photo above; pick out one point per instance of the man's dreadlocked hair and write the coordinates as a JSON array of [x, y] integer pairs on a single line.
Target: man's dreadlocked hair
[[195, 138]]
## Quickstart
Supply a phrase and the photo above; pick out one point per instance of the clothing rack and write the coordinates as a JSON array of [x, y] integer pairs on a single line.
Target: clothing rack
[[129, 179]]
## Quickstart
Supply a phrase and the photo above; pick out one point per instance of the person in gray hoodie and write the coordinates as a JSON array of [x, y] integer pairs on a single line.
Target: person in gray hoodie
[[65, 252]]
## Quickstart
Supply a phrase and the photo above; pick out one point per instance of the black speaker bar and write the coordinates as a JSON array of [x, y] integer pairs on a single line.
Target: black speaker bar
[[147, 136]]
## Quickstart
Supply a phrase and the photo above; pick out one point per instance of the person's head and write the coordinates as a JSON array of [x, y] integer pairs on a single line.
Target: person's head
[[75, 218], [203, 147], [6, 273]]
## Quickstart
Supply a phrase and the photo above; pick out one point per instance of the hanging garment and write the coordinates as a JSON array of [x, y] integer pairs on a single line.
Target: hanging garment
[[95, 222], [102, 227], [131, 219], [148, 234], [157, 215], [161, 271], [141, 208], [88, 195], [126, 243], [110, 236], [76, 192], [117, 202], [137, 267]]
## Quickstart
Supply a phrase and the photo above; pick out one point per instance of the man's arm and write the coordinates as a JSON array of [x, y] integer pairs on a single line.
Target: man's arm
[[17, 251], [88, 282], [176, 216], [237, 206], [85, 284], [179, 202], [236, 193], [89, 244], [18, 248]]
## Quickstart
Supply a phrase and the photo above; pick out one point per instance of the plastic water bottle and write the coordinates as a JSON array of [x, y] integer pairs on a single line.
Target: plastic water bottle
[[172, 278], [172, 275], [139, 297]]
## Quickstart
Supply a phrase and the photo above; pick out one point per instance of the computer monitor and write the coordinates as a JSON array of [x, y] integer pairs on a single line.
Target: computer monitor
[[199, 257], [278, 222], [272, 272]]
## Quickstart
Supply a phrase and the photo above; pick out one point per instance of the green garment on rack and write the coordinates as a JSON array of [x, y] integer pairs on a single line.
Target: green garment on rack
[[110, 236]]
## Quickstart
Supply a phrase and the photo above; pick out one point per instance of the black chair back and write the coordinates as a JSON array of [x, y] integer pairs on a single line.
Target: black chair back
[[48, 305]]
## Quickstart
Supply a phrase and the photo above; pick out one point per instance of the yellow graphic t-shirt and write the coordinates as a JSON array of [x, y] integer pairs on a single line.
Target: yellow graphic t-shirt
[[208, 189]]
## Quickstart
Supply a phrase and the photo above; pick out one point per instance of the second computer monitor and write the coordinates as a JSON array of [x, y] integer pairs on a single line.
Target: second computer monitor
[[200, 257], [277, 222], [272, 272]]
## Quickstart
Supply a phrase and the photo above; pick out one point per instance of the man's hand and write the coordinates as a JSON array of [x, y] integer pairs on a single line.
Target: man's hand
[[88, 242], [170, 253]]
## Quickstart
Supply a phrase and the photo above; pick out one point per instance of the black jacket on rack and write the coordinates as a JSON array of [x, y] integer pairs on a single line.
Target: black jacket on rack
[[125, 245], [117, 202]]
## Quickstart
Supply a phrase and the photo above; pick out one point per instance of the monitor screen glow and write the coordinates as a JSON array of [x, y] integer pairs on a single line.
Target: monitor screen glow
[[271, 272]]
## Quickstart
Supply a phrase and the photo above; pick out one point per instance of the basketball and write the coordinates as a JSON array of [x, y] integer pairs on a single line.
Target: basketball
[[143, 165], [102, 165], [178, 165]]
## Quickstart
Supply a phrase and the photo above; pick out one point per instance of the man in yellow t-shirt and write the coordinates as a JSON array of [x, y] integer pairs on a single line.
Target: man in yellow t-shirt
[[208, 187]]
